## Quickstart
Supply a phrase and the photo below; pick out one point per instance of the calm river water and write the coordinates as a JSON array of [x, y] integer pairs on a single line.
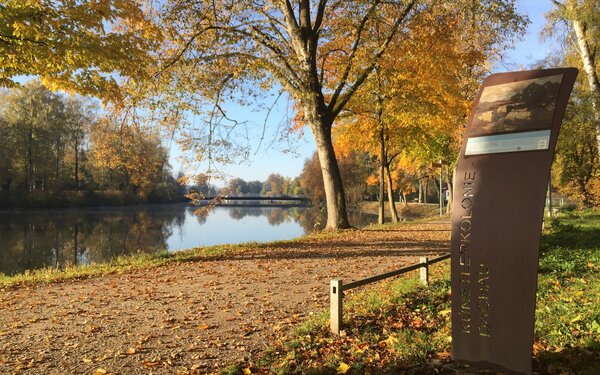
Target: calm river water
[[60, 238]]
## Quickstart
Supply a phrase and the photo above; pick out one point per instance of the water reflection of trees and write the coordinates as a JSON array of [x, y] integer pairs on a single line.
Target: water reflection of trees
[[274, 215], [310, 219], [66, 237], [62, 238]]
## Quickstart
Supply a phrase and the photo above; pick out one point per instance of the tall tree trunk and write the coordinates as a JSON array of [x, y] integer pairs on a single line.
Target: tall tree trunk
[[382, 150], [426, 190], [393, 211], [337, 216], [450, 177], [381, 217], [76, 167], [589, 67], [29, 165], [30, 183], [57, 172], [75, 242], [437, 189]]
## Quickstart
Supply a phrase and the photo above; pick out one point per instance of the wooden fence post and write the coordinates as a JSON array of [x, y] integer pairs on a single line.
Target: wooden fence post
[[424, 270], [336, 297]]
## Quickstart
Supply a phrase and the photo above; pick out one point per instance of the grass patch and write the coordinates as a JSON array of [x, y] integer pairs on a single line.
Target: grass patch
[[400, 327]]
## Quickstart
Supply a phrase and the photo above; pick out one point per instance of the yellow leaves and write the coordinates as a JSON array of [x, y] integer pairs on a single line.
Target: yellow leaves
[[131, 351], [203, 327], [575, 319], [246, 371], [445, 312], [99, 371], [591, 265], [70, 42], [342, 368], [390, 342]]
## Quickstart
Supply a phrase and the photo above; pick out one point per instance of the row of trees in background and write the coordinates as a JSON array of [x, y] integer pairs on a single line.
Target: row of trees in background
[[274, 185], [53, 145]]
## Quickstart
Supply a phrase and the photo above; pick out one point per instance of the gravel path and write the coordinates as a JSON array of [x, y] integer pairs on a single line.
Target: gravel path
[[193, 317]]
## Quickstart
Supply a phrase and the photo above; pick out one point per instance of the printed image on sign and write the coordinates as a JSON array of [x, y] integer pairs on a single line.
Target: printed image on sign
[[516, 106]]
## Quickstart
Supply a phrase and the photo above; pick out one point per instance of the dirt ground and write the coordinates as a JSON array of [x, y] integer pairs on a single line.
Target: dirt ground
[[199, 316]]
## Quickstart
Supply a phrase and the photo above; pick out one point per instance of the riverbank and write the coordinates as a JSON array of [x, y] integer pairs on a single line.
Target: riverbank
[[195, 311], [79, 199]]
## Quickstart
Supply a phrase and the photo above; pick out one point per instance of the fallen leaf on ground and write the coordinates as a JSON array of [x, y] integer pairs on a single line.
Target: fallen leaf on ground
[[342, 368]]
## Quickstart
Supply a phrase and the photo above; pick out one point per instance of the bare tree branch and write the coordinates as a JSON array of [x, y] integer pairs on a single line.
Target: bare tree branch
[[320, 15], [336, 107], [262, 137], [346, 73]]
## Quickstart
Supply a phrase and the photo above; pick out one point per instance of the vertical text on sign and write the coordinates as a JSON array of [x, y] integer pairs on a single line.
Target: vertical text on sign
[[483, 302], [464, 253]]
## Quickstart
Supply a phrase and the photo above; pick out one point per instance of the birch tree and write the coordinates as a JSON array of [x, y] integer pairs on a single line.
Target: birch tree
[[583, 20]]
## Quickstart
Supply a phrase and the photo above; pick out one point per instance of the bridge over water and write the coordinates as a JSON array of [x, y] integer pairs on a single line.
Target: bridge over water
[[261, 200]]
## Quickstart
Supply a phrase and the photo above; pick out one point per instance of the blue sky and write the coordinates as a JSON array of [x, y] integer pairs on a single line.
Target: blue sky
[[287, 158]]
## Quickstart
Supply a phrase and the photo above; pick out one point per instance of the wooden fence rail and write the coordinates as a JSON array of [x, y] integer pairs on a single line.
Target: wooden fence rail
[[337, 287]]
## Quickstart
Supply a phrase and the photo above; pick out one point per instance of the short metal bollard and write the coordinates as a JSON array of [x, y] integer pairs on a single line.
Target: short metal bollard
[[336, 298], [424, 270]]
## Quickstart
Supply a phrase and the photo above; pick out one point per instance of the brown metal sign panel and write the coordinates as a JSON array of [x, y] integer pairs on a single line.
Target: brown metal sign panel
[[498, 207]]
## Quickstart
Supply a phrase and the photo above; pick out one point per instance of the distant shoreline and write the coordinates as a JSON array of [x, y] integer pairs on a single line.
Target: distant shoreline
[[77, 199]]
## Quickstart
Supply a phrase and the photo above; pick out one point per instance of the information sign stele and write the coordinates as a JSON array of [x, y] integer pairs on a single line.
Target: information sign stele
[[498, 208]]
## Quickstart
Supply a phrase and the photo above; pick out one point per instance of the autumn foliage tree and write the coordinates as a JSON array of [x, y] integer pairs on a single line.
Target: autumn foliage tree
[[412, 110], [127, 156], [284, 44], [354, 170], [74, 45], [576, 170]]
